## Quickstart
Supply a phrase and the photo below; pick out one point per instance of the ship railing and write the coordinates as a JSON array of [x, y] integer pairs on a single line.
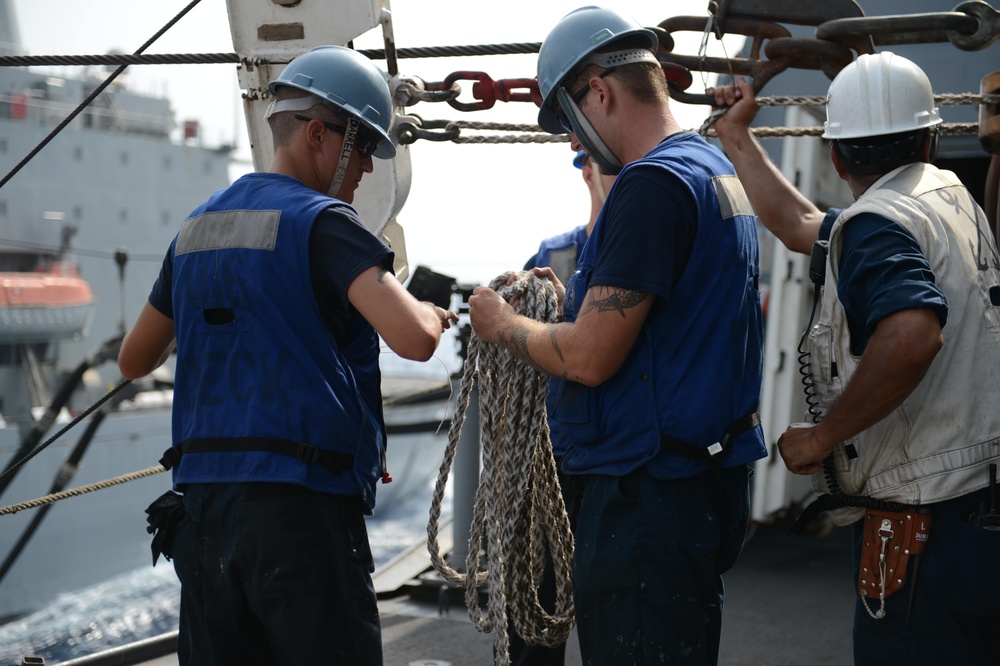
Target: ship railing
[[24, 106]]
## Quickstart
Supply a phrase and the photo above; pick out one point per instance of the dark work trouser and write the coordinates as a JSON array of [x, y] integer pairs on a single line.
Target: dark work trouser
[[648, 565], [956, 606], [274, 573]]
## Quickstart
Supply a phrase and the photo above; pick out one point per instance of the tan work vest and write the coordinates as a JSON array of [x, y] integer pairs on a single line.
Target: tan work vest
[[936, 445]]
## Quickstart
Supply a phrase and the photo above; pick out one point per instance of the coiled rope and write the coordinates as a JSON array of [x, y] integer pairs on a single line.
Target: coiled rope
[[518, 506]]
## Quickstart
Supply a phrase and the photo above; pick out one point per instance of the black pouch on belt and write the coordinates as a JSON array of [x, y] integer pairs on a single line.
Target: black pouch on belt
[[890, 539], [162, 517]]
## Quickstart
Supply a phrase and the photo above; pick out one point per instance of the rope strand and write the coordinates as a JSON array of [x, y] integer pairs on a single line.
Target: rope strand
[[82, 490], [518, 506]]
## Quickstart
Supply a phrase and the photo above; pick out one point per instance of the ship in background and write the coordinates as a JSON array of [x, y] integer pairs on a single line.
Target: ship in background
[[101, 202], [83, 230], [93, 248]]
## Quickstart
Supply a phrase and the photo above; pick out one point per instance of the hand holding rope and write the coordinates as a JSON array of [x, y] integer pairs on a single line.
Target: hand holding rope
[[519, 505]]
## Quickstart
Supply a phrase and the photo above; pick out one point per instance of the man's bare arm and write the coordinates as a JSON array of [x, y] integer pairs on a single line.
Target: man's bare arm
[[410, 327], [610, 299], [147, 345], [779, 205], [589, 350], [894, 363]]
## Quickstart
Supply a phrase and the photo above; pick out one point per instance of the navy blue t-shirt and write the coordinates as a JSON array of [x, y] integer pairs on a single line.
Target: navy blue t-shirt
[[340, 249], [882, 271], [647, 258]]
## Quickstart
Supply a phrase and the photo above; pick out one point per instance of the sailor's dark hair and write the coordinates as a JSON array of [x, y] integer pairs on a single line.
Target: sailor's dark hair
[[876, 155], [644, 80]]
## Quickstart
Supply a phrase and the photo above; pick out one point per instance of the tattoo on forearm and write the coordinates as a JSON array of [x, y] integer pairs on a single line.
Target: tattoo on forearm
[[381, 275], [613, 298], [555, 343], [515, 338]]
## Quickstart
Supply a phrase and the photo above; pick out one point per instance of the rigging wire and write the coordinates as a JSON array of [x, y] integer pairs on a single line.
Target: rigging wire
[[138, 58], [44, 445], [99, 254], [90, 98]]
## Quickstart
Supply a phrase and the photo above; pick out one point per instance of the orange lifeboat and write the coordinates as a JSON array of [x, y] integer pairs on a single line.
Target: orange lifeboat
[[50, 303]]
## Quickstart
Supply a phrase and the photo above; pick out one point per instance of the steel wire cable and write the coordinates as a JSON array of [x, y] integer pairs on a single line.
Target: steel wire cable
[[93, 95]]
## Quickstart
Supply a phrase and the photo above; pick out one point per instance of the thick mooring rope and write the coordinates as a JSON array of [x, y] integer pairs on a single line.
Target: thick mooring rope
[[82, 490], [518, 506]]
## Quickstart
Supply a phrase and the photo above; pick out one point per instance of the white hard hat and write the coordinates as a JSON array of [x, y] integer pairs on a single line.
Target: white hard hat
[[879, 94]]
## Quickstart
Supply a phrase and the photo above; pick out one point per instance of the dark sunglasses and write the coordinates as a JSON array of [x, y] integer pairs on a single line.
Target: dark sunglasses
[[365, 143], [577, 98]]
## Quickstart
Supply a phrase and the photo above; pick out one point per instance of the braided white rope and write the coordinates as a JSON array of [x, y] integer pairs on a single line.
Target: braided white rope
[[82, 490], [518, 506], [945, 99]]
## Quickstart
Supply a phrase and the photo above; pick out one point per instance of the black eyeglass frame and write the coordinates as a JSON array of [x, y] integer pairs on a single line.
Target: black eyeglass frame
[[577, 97], [365, 143]]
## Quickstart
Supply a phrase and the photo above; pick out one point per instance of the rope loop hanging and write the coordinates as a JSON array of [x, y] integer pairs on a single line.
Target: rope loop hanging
[[518, 506]]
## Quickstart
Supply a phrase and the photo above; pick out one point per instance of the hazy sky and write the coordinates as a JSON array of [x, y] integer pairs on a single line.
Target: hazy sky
[[473, 211]]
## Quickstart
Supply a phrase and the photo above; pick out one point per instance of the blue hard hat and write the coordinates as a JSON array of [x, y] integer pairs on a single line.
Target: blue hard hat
[[347, 80], [577, 35], [580, 159]]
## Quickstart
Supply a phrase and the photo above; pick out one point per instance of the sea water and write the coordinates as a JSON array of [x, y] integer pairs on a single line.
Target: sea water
[[146, 602]]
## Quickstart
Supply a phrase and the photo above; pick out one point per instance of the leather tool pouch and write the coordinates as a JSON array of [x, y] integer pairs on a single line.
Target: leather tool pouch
[[890, 538]]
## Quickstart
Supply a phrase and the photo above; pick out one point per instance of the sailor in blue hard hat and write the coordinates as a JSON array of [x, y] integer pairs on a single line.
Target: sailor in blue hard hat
[[573, 44], [276, 297], [347, 85], [659, 359]]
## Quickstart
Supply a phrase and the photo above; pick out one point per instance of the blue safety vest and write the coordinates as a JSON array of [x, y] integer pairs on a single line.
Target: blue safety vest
[[255, 361], [696, 367], [560, 253]]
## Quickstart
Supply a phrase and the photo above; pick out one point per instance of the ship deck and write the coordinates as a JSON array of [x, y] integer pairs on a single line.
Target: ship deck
[[789, 601]]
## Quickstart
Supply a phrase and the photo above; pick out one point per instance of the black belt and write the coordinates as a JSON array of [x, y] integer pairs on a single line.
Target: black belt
[[716, 452], [335, 462], [714, 455], [828, 502]]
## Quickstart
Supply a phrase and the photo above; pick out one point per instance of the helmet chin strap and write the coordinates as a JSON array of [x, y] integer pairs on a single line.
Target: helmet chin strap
[[935, 137], [350, 135], [599, 185], [588, 136], [345, 157]]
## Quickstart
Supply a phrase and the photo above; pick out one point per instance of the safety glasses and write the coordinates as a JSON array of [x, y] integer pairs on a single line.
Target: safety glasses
[[577, 98], [365, 143]]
